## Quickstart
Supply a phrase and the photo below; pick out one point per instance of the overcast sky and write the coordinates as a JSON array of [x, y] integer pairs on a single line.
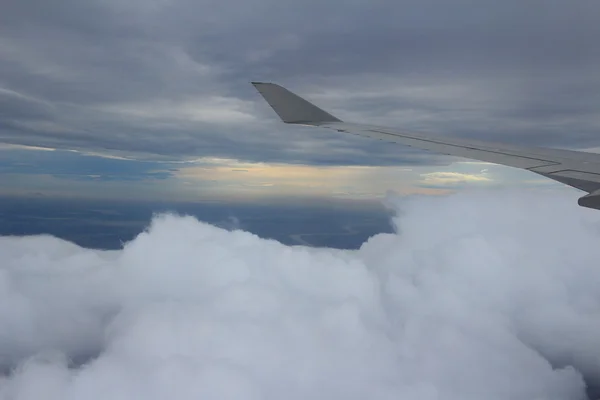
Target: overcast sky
[[168, 80]]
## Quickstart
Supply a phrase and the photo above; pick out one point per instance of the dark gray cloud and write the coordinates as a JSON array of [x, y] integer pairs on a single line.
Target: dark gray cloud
[[171, 78]]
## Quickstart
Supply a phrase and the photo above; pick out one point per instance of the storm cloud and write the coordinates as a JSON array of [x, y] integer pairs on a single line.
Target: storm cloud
[[171, 79]]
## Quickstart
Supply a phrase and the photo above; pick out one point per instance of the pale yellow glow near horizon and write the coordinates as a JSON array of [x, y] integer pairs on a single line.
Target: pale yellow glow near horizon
[[287, 179], [449, 178]]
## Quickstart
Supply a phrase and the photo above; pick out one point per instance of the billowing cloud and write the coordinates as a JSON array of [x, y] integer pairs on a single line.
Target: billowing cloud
[[489, 295], [171, 78]]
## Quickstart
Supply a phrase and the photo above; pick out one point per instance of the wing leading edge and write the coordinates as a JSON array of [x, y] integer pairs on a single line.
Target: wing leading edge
[[577, 169]]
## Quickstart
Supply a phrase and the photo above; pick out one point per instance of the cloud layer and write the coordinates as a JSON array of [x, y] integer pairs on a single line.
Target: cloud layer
[[171, 78], [479, 295]]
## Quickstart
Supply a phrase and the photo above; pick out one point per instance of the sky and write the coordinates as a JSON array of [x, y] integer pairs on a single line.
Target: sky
[[153, 98]]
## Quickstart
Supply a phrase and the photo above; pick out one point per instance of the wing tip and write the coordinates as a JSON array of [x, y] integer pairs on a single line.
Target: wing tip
[[291, 108], [260, 83]]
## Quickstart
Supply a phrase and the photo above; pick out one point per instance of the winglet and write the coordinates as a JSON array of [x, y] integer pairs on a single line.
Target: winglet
[[291, 108]]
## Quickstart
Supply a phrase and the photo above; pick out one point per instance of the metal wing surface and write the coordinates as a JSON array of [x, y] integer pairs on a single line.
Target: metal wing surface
[[577, 169]]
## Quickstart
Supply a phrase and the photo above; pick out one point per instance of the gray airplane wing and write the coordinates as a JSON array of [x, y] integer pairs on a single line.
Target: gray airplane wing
[[577, 169]]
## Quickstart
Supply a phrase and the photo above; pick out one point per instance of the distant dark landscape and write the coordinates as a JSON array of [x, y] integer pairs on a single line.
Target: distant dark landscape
[[109, 224]]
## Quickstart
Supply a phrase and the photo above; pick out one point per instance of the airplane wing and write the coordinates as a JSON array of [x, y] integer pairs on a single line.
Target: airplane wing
[[577, 169]]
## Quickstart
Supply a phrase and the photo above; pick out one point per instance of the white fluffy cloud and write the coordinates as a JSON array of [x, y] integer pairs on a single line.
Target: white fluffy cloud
[[489, 295]]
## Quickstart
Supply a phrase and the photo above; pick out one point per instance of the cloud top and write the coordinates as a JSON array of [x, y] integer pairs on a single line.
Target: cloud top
[[478, 295]]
